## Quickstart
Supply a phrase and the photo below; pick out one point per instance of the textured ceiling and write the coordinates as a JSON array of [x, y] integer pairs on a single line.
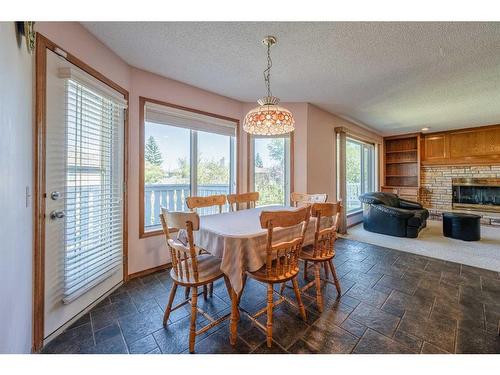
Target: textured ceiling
[[393, 77]]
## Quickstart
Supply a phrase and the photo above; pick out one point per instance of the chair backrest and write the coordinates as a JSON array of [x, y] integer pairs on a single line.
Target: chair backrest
[[298, 198], [179, 252], [324, 239], [282, 259], [236, 200], [212, 200]]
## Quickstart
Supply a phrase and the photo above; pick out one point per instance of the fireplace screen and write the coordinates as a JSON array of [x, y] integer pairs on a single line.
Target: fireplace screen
[[479, 193]]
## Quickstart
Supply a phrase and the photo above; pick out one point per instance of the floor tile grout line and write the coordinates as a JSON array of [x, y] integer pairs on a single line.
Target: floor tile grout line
[[123, 337], [92, 328], [455, 343], [397, 326], [357, 343]]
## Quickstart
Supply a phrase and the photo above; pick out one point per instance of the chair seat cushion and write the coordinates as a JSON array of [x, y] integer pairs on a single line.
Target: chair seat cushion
[[208, 271], [307, 254]]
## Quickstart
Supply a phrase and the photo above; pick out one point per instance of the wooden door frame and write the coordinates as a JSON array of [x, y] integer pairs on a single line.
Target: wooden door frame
[[39, 151]]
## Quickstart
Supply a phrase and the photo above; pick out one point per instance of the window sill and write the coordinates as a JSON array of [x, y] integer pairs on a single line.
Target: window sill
[[352, 213], [151, 233]]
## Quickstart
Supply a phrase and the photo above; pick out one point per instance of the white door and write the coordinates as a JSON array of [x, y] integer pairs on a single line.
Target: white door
[[84, 191]]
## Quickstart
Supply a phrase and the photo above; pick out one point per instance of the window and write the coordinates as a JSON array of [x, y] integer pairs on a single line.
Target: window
[[360, 176], [270, 166], [185, 154]]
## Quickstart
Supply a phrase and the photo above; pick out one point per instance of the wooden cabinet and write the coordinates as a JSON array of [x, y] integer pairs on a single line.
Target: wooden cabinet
[[435, 147], [462, 147], [402, 166]]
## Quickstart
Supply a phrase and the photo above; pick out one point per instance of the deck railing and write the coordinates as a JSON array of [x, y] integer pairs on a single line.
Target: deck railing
[[173, 197], [353, 192]]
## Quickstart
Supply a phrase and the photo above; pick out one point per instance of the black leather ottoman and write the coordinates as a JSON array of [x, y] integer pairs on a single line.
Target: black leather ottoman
[[461, 226]]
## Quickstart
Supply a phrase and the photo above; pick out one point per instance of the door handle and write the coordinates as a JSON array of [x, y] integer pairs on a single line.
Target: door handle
[[57, 214]]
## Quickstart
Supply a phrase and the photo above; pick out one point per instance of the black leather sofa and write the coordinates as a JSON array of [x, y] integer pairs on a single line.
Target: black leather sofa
[[386, 213]]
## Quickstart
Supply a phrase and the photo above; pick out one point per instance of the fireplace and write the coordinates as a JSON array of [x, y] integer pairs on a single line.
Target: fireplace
[[481, 194]]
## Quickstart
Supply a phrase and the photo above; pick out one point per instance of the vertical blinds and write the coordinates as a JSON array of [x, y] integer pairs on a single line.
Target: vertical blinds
[[93, 186]]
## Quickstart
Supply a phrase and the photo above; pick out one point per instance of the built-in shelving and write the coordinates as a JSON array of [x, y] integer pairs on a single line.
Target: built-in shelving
[[402, 165]]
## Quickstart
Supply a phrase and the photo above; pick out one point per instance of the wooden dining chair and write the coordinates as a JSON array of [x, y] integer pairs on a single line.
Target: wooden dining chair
[[200, 202], [237, 200], [189, 269], [322, 251], [282, 261], [302, 198]]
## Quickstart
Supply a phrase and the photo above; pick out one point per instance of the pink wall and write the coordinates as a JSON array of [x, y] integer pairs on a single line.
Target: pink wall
[[312, 125], [75, 39]]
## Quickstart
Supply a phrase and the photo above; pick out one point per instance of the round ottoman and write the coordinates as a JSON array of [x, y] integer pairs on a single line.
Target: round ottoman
[[461, 226]]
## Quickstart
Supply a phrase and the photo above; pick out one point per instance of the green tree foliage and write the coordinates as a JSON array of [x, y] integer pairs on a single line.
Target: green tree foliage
[[270, 185], [276, 149], [258, 161], [209, 171], [153, 174], [152, 153], [212, 172], [183, 170], [353, 163]]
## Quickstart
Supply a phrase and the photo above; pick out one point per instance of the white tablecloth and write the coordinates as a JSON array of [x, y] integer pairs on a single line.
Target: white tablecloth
[[238, 239]]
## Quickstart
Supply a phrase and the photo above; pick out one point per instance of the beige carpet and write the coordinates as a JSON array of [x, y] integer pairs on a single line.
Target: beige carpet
[[432, 243]]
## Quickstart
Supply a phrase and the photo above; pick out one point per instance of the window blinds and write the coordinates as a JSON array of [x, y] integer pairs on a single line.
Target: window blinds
[[162, 114], [93, 229]]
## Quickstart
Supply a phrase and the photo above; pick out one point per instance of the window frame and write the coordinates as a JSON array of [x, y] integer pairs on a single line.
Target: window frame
[[371, 174], [251, 166], [142, 127]]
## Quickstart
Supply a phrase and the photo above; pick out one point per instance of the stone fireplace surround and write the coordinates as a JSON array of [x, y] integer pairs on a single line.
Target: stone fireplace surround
[[436, 187]]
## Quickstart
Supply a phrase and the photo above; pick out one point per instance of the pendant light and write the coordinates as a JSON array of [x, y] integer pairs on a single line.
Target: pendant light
[[269, 118]]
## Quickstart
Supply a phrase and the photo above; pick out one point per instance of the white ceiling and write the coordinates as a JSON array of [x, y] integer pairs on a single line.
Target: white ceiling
[[393, 77]]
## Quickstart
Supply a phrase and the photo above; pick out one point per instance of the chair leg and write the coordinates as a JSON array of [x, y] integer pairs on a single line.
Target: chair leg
[[335, 279], [269, 325], [186, 292], [168, 309], [205, 292], [317, 279], [305, 270], [299, 299], [192, 327], [282, 288], [325, 269]]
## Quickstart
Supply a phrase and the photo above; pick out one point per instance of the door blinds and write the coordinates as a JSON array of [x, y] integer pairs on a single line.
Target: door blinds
[[93, 204]]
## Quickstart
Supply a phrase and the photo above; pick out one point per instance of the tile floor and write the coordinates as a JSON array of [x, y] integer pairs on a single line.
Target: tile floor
[[392, 302]]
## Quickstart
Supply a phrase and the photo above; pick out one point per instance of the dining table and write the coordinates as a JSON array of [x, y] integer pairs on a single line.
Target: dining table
[[239, 240]]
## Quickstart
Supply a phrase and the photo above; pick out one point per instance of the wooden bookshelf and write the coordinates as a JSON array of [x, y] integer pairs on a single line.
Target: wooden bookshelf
[[402, 165]]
